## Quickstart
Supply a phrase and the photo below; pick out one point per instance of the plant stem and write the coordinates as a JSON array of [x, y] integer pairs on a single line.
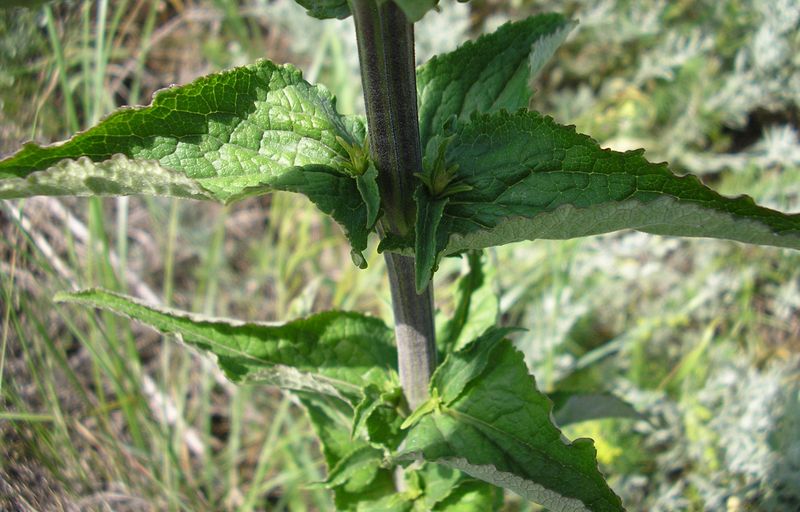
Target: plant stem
[[386, 53], [413, 328]]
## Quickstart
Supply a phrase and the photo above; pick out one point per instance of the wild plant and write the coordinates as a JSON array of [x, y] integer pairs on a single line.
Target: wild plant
[[448, 161]]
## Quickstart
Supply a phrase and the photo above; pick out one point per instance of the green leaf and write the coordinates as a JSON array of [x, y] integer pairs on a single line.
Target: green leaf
[[332, 353], [371, 401], [330, 418], [429, 214], [226, 136], [379, 415], [338, 198], [532, 178], [433, 403], [397, 243], [476, 307], [436, 482], [367, 184], [324, 359], [355, 471], [433, 487], [492, 73], [398, 502], [325, 9], [471, 496], [498, 429], [468, 364], [118, 175], [445, 489], [416, 9], [574, 407]]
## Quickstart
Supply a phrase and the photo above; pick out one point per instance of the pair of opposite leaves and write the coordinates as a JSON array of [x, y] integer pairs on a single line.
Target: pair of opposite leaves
[[517, 175], [508, 177]]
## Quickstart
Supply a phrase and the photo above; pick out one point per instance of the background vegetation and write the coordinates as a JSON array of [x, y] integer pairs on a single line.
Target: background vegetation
[[701, 336]]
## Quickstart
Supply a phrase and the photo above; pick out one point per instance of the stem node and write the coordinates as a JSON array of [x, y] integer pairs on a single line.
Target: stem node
[[386, 54]]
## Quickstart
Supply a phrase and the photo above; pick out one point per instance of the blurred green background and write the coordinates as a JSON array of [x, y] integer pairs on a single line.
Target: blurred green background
[[701, 336]]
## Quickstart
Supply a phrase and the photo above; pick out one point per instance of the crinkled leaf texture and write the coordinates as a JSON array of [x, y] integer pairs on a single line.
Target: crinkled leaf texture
[[341, 368], [325, 360], [491, 73], [332, 353], [487, 419], [531, 178], [224, 137]]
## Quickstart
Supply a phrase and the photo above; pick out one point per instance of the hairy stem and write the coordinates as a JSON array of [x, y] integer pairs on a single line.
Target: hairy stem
[[386, 54], [414, 329]]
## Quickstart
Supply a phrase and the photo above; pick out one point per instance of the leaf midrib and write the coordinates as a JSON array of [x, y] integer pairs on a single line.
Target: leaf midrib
[[480, 424]]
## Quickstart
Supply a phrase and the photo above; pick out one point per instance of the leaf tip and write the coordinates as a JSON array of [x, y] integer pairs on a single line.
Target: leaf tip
[[358, 259], [423, 273], [423, 277]]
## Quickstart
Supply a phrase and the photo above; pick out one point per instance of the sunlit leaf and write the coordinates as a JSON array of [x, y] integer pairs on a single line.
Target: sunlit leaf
[[491, 73], [226, 136]]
